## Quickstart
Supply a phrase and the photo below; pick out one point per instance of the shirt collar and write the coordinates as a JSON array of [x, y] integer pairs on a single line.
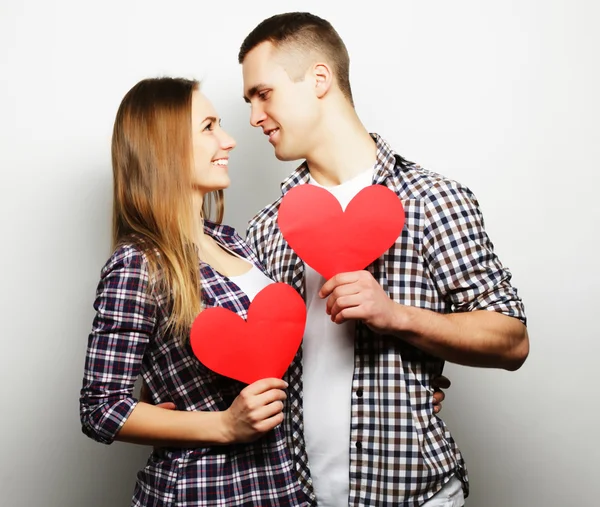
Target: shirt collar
[[385, 164], [214, 230]]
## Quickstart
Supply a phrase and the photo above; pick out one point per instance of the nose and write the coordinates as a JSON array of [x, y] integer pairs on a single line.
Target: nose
[[257, 115], [226, 142]]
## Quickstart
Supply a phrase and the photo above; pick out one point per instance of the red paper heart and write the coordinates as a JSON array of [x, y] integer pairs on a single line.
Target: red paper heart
[[262, 346], [333, 241]]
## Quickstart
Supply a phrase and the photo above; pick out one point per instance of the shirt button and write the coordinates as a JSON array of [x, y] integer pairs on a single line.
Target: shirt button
[[358, 445], [359, 392]]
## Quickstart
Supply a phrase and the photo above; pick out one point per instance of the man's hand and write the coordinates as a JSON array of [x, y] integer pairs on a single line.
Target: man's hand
[[438, 384], [357, 295]]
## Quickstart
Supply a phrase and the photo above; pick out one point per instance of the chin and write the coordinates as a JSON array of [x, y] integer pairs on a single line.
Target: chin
[[221, 184], [286, 156]]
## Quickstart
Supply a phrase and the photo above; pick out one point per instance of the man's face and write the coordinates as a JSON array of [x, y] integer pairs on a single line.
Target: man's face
[[286, 110]]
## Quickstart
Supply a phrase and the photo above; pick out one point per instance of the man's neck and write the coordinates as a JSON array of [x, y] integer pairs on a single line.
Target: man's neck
[[344, 150]]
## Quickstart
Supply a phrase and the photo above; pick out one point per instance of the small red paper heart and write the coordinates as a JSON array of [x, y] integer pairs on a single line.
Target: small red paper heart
[[262, 346], [333, 241]]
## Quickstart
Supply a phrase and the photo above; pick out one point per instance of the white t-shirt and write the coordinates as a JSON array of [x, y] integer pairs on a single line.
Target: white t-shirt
[[328, 368], [251, 282]]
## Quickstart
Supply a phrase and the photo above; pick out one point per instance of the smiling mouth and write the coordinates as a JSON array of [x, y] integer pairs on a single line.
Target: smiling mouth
[[271, 132], [222, 162]]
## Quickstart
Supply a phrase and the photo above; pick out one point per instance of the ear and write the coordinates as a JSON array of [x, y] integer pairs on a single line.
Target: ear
[[323, 79]]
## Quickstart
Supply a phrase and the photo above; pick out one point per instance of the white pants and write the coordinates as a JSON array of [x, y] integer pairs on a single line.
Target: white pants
[[451, 495]]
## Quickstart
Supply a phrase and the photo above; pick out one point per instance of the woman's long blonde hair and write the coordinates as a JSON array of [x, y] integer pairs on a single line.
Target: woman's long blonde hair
[[152, 171]]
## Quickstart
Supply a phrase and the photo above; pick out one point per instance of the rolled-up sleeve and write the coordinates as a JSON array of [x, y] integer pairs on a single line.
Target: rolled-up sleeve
[[125, 320], [461, 257]]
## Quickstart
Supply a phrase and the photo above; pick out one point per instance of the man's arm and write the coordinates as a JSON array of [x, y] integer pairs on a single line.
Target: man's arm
[[486, 323], [477, 338]]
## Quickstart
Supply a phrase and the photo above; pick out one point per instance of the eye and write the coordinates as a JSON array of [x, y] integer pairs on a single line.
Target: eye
[[209, 127], [264, 95]]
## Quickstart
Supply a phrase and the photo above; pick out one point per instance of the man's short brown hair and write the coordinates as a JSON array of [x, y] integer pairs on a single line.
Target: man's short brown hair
[[305, 32]]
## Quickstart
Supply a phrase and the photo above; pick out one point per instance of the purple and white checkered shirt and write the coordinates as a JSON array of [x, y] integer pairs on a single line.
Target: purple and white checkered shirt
[[401, 453], [128, 338]]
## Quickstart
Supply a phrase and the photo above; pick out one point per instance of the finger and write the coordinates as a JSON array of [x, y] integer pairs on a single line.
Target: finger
[[441, 382], [167, 405], [354, 313], [339, 292], [344, 303], [340, 279], [436, 408], [270, 423], [264, 385], [438, 397], [266, 412], [269, 397]]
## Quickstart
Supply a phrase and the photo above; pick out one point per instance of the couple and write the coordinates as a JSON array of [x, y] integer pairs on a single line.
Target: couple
[[354, 422]]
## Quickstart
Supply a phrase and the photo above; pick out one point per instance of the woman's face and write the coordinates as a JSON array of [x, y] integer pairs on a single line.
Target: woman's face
[[210, 147]]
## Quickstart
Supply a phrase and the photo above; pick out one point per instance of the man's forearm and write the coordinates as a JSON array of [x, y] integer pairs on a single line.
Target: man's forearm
[[479, 338]]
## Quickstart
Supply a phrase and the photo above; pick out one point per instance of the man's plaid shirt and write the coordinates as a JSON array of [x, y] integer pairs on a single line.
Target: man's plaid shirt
[[129, 338], [400, 452]]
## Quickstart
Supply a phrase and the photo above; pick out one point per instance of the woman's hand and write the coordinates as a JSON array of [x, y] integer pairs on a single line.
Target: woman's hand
[[256, 410]]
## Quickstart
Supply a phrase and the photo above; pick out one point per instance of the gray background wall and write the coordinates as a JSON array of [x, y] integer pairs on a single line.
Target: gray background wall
[[500, 96]]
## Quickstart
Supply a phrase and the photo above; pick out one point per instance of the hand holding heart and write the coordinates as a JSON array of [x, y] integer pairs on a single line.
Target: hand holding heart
[[338, 243], [357, 295], [255, 411]]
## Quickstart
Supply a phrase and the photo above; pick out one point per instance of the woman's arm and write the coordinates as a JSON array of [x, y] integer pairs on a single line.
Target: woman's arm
[[255, 411], [124, 325]]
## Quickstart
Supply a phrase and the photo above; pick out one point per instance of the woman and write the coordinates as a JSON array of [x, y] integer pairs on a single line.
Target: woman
[[224, 443]]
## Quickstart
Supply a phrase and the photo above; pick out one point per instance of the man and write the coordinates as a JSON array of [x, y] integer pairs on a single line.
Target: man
[[362, 429]]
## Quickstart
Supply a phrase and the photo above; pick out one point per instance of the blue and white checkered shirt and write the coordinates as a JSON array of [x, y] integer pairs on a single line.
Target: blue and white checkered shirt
[[400, 452]]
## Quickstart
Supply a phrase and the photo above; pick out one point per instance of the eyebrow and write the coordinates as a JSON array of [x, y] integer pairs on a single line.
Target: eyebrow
[[253, 91], [210, 118]]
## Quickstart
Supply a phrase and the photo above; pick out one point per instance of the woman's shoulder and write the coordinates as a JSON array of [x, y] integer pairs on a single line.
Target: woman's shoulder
[[129, 257]]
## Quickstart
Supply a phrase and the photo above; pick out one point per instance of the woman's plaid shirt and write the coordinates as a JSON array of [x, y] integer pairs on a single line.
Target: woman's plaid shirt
[[400, 452], [128, 338]]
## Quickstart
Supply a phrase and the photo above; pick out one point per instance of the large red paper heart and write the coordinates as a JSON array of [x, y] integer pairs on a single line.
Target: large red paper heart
[[333, 241], [262, 346]]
